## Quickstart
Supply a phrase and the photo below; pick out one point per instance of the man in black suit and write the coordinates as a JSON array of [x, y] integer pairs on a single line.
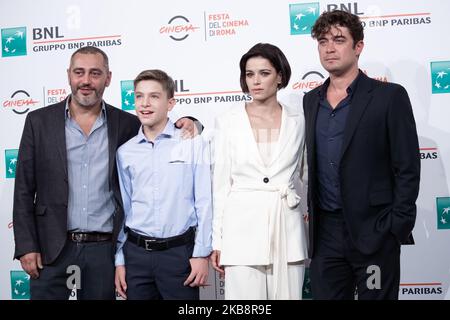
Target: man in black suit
[[363, 167], [67, 204]]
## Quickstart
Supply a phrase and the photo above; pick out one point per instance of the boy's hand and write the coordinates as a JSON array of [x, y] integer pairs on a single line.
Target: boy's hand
[[199, 272], [215, 261], [188, 126], [121, 285]]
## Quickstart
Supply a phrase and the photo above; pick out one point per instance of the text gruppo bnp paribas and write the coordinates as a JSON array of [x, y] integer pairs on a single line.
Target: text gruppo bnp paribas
[[52, 39]]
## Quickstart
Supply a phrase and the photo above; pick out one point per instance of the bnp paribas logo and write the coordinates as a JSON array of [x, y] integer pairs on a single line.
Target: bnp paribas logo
[[303, 16], [443, 212], [127, 88], [20, 285], [306, 291], [11, 162], [440, 77], [14, 42]]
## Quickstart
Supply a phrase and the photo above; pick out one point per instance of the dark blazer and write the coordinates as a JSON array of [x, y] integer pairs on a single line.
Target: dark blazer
[[380, 165], [41, 184]]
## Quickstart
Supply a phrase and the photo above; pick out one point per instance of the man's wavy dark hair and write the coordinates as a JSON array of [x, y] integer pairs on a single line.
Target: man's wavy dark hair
[[338, 18]]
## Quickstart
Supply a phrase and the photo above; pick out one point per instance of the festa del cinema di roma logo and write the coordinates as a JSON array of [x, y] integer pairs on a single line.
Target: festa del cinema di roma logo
[[14, 42], [440, 77]]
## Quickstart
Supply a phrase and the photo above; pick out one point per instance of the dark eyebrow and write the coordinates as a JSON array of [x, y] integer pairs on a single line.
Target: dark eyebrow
[[151, 92], [88, 70], [339, 37]]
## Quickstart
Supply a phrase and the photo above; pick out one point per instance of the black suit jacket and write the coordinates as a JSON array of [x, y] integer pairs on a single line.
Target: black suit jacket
[[380, 165], [41, 184]]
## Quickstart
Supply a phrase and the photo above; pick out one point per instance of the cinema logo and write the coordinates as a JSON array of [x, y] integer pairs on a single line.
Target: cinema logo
[[313, 79], [20, 102], [309, 81], [432, 288], [178, 28], [429, 153]]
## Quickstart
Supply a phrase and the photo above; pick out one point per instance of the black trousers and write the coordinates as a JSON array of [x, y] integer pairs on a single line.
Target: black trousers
[[337, 268], [155, 275], [96, 264]]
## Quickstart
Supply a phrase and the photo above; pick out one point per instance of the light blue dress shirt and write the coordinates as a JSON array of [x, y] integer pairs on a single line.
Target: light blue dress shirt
[[91, 203], [166, 188]]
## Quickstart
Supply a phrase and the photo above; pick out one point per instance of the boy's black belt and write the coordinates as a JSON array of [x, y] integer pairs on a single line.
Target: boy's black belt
[[152, 243]]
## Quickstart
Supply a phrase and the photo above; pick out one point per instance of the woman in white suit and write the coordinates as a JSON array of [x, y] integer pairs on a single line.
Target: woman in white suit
[[259, 238]]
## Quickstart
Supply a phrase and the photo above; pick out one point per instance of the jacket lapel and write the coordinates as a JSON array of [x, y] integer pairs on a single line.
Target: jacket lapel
[[112, 119], [60, 133], [311, 118], [287, 129], [360, 101], [248, 138]]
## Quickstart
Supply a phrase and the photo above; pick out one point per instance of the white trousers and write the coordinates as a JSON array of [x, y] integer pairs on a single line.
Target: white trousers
[[255, 282]]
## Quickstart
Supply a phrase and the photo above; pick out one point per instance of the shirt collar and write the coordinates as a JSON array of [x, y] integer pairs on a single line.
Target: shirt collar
[[168, 132], [350, 89], [68, 116]]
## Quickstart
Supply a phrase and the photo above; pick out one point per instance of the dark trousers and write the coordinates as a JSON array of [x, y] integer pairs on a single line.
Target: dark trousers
[[337, 267], [96, 264], [159, 274]]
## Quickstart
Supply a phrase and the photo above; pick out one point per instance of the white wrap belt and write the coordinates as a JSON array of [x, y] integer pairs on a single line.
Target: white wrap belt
[[287, 199]]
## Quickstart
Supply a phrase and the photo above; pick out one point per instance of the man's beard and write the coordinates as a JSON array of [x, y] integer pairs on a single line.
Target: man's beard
[[87, 101]]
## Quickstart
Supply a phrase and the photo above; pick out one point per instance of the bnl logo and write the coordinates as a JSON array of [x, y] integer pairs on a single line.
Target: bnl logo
[[20, 285], [443, 212], [11, 162], [440, 77], [127, 89], [14, 42], [303, 16]]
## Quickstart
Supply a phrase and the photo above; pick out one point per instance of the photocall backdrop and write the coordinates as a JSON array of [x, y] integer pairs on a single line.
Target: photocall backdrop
[[199, 43]]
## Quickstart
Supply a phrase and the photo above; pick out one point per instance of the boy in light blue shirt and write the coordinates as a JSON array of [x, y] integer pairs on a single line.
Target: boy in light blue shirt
[[165, 181]]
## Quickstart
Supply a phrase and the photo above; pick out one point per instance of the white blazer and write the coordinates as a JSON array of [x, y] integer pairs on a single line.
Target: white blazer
[[257, 216]]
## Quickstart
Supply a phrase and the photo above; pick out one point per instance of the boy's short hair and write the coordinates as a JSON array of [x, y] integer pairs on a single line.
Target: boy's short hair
[[276, 58], [159, 76], [338, 18]]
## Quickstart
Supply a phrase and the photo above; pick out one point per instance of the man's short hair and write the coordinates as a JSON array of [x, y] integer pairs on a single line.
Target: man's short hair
[[92, 50]]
